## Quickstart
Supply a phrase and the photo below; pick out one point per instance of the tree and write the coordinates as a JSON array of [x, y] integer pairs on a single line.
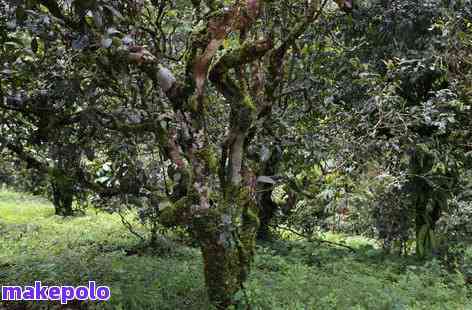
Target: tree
[[199, 79], [405, 105]]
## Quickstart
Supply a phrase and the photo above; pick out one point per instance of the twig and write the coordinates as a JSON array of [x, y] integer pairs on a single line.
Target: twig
[[130, 227]]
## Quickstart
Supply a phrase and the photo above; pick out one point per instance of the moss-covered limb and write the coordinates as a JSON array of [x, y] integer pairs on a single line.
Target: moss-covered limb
[[209, 39], [233, 152], [227, 86], [245, 54], [220, 255], [182, 197], [242, 116], [219, 74], [226, 233], [30, 160], [222, 273], [178, 213], [183, 178], [208, 155], [176, 91], [180, 96], [205, 43], [128, 129], [243, 107]]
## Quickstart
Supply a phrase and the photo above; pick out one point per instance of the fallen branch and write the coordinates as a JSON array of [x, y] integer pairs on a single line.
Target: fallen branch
[[311, 238]]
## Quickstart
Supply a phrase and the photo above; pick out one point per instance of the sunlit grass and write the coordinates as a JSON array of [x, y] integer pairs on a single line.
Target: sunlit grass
[[287, 274], [22, 208]]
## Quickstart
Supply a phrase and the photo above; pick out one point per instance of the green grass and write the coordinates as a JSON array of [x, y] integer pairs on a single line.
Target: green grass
[[37, 245]]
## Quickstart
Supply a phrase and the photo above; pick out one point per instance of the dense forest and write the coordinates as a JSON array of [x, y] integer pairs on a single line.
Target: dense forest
[[236, 154]]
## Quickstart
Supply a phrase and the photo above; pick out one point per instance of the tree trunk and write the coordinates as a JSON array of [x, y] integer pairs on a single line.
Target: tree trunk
[[62, 199], [425, 224], [428, 201], [223, 268], [266, 206], [227, 237], [267, 209]]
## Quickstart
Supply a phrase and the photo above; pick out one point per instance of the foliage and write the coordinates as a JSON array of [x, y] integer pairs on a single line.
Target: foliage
[[378, 96]]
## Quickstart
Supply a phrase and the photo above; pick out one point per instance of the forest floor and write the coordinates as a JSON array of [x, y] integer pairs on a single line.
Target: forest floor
[[287, 274]]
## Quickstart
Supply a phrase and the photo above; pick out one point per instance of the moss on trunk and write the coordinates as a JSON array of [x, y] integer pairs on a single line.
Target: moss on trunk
[[62, 198], [227, 236]]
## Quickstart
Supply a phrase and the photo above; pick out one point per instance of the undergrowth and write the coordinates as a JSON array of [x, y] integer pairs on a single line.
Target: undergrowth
[[287, 274]]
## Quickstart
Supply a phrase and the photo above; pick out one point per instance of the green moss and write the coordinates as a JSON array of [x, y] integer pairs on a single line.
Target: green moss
[[205, 225], [249, 103], [208, 154], [184, 180], [221, 258], [177, 213], [192, 104], [227, 236], [248, 231], [60, 177]]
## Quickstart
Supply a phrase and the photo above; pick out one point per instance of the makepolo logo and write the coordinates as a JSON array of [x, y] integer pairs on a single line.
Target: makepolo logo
[[62, 293]]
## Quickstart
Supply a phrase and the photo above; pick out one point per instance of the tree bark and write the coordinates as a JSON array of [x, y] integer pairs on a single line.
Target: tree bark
[[266, 206], [227, 239], [62, 199], [428, 203], [267, 209]]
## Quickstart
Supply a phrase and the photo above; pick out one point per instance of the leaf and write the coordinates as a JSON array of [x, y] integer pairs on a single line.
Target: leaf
[[80, 43], [127, 40], [106, 42], [172, 13], [102, 179], [112, 31], [7, 72], [164, 204], [106, 167], [11, 25], [265, 179], [12, 44]]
